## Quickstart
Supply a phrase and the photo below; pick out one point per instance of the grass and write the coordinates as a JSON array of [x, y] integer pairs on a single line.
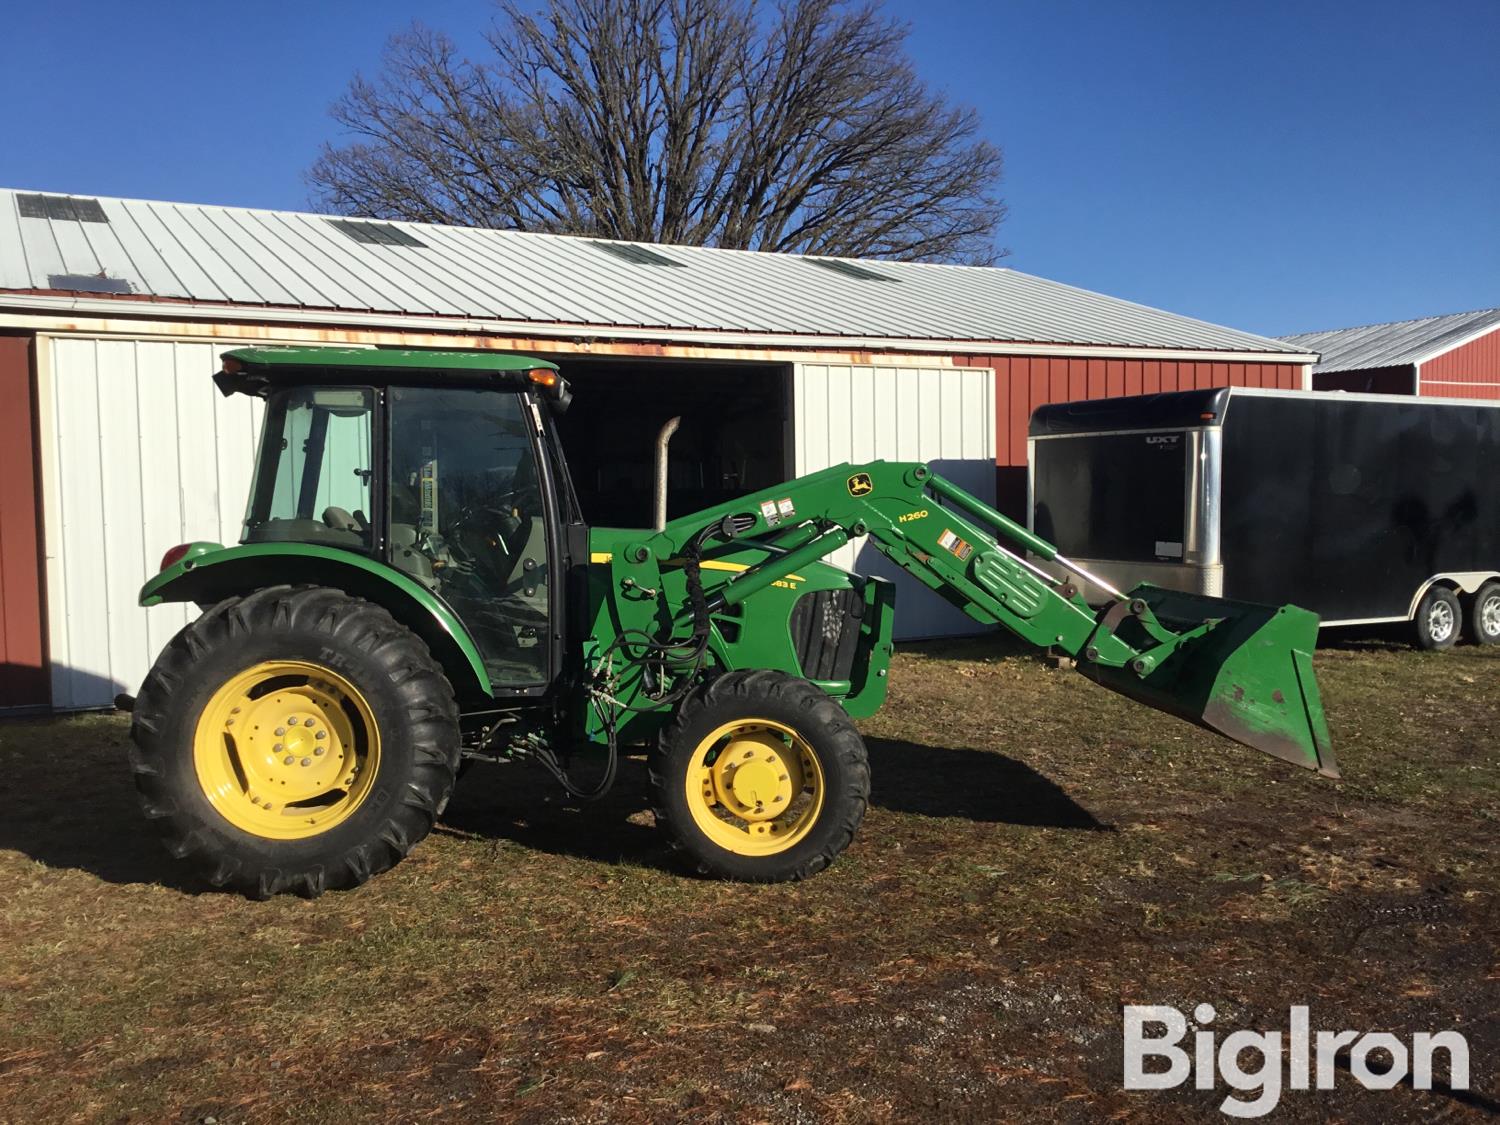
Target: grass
[[1037, 853]]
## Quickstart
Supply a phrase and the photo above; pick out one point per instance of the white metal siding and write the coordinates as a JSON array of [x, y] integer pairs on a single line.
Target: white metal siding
[[944, 416], [140, 452]]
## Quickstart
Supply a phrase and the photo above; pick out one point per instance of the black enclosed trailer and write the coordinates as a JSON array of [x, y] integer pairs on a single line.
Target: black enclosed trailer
[[1362, 508]]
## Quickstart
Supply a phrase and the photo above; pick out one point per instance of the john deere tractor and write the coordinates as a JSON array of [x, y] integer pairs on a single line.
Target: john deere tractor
[[415, 584]]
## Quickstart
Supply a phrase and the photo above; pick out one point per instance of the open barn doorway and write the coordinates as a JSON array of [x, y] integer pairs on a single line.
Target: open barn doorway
[[733, 438]]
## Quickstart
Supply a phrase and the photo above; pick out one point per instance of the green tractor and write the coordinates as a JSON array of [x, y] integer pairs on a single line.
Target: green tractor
[[415, 584]]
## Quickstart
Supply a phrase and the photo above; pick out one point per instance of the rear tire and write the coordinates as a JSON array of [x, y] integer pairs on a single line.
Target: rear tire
[[1484, 615], [1438, 619], [760, 777], [296, 739]]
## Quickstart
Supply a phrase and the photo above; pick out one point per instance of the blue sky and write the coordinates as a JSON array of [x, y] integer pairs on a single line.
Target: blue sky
[[1276, 166]]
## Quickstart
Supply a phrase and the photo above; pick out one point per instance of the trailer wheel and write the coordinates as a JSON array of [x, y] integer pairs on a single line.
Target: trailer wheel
[[760, 777], [1484, 615], [1438, 619], [296, 739]]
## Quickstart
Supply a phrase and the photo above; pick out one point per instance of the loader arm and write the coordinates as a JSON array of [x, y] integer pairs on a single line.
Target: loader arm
[[1240, 669]]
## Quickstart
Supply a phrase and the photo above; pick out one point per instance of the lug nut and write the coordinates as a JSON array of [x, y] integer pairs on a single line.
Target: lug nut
[[307, 761], [321, 734], [292, 721], [280, 731], [276, 749], [288, 760], [318, 749]]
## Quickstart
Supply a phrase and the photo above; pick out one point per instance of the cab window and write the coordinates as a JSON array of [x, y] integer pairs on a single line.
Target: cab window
[[315, 470]]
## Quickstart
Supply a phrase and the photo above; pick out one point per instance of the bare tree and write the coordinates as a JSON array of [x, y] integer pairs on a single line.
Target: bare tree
[[708, 122]]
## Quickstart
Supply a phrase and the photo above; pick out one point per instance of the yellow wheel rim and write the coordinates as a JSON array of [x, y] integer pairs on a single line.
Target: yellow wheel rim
[[286, 750], [755, 787]]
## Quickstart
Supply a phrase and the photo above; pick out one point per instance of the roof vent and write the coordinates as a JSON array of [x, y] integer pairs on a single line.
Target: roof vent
[[376, 234], [34, 205], [635, 255], [88, 282], [848, 269]]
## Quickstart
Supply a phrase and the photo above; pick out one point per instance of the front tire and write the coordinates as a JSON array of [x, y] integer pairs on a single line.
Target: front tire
[[760, 777], [297, 739], [1484, 615], [1438, 619]]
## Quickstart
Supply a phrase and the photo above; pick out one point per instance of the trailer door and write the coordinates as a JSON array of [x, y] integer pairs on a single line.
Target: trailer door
[[1117, 496]]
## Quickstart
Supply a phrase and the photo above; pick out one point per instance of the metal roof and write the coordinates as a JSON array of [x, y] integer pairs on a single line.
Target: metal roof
[[116, 250], [1396, 344]]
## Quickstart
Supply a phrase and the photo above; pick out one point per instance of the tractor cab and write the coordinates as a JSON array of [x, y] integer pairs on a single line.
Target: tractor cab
[[443, 466]]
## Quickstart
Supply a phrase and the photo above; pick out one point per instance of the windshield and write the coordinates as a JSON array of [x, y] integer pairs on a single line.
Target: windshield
[[315, 470]]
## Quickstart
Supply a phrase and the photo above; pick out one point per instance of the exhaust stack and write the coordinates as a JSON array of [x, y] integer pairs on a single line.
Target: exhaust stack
[[663, 439]]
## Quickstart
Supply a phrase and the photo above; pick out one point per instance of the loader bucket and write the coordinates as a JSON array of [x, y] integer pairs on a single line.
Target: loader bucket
[[1249, 676]]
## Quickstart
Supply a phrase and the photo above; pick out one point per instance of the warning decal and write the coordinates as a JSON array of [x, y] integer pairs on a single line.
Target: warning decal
[[768, 512], [952, 543]]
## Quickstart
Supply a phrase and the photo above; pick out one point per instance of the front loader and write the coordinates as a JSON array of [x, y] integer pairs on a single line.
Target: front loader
[[415, 584]]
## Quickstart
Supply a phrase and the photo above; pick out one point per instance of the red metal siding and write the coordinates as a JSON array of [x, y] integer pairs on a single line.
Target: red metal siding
[[1025, 382], [23, 660], [1470, 371]]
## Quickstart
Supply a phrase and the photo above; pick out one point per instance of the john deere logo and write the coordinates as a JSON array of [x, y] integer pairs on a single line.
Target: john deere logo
[[859, 484]]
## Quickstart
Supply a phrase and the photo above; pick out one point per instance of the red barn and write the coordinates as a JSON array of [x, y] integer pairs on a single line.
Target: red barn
[[1453, 356]]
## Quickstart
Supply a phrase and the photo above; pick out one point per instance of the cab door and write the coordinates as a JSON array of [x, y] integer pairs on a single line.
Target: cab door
[[469, 516]]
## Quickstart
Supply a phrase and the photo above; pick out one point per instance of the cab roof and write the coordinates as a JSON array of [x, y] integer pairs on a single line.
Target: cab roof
[[270, 360], [259, 371]]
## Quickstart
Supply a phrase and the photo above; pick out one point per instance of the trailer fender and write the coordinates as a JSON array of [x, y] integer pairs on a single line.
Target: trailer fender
[[209, 576], [1461, 581]]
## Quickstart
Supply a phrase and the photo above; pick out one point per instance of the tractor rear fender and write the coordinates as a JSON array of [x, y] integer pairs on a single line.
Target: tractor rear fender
[[215, 573]]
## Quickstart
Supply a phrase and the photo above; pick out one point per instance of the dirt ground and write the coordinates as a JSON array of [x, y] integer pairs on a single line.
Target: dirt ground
[[1038, 853]]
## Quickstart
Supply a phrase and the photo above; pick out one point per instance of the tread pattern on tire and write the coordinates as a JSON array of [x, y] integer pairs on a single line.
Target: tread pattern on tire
[[1472, 615], [414, 687], [819, 719]]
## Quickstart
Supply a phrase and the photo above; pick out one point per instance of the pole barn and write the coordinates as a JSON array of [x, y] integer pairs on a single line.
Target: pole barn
[[1452, 356], [113, 313]]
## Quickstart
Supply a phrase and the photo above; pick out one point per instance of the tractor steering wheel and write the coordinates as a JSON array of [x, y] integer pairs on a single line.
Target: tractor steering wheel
[[485, 523]]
